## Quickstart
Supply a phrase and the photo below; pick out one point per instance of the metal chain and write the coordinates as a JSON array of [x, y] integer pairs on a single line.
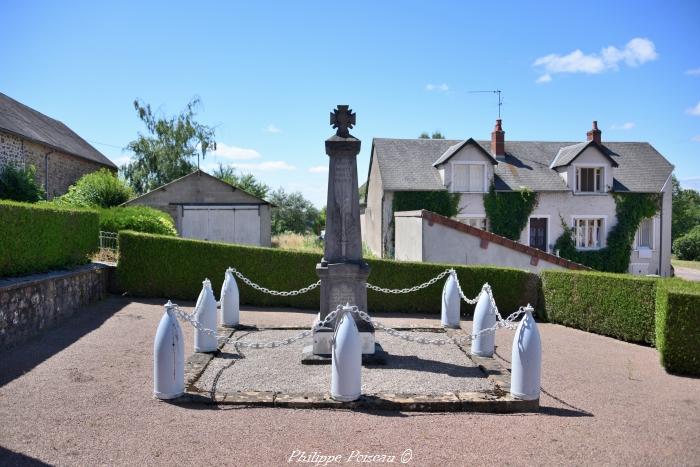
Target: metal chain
[[460, 340], [410, 289], [189, 317], [283, 293]]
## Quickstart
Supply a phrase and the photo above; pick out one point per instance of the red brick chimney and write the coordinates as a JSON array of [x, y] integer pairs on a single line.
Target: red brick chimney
[[498, 140], [594, 133]]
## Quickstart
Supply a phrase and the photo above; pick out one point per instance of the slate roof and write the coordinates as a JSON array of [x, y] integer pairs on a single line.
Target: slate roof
[[25, 122], [567, 154], [407, 165], [454, 149]]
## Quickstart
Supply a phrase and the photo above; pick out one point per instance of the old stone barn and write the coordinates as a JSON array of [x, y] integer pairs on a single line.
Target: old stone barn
[[206, 208]]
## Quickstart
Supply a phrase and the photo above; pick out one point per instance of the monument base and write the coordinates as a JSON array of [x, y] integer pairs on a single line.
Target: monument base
[[379, 356]]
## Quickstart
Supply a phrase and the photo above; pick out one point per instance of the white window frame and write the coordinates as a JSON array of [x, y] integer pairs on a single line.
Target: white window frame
[[603, 233], [549, 227], [462, 217], [603, 179], [653, 235], [452, 176]]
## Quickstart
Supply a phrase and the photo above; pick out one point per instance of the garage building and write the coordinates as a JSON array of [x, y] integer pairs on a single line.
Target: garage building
[[206, 208]]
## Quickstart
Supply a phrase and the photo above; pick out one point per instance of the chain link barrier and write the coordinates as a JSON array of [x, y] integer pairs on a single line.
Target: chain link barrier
[[282, 293], [464, 339]]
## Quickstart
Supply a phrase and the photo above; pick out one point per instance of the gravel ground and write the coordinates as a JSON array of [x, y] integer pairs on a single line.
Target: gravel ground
[[410, 368], [81, 395]]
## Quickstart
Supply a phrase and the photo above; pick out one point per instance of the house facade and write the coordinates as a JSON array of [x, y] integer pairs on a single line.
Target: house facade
[[61, 157], [574, 182]]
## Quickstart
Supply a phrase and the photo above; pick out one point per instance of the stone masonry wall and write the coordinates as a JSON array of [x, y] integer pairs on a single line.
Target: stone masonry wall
[[63, 169], [31, 304]]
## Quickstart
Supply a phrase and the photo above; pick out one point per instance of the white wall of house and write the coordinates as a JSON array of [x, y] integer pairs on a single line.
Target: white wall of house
[[377, 217], [417, 240]]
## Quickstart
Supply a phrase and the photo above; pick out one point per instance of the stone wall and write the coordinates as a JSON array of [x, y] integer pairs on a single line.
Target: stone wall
[[31, 304], [63, 169]]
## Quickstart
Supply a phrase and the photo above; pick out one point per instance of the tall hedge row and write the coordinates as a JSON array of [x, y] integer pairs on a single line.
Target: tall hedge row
[[154, 265], [678, 326], [40, 237], [616, 305]]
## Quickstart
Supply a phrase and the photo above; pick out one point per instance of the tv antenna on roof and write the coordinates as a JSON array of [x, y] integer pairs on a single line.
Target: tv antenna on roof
[[498, 92]]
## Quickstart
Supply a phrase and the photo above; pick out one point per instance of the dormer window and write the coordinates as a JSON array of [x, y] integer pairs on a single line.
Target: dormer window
[[590, 179], [468, 177]]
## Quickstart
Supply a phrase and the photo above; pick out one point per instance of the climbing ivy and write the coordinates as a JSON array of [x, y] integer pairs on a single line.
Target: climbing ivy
[[507, 212], [439, 202], [631, 209]]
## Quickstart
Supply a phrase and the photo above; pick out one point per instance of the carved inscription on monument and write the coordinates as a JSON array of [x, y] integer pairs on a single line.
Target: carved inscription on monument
[[340, 294]]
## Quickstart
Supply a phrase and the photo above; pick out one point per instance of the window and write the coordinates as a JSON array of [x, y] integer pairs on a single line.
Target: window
[[589, 233], [645, 234], [478, 222], [589, 179], [468, 177]]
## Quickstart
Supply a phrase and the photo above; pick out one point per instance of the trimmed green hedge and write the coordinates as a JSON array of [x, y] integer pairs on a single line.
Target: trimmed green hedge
[[616, 305], [39, 237], [678, 326], [159, 266]]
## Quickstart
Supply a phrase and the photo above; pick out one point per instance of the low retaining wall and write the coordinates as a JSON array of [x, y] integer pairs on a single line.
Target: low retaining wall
[[30, 304]]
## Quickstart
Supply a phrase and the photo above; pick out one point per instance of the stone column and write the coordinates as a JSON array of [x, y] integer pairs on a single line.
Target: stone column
[[342, 270]]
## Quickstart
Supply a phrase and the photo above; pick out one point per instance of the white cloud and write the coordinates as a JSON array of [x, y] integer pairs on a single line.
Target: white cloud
[[622, 126], [636, 52], [437, 87], [318, 169], [264, 166], [271, 128], [225, 151], [693, 72], [696, 138], [545, 78], [694, 110]]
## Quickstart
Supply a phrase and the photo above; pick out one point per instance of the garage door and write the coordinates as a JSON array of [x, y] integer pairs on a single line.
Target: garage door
[[231, 224]]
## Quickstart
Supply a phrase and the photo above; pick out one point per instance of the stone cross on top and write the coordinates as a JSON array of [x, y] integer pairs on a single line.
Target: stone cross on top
[[343, 119]]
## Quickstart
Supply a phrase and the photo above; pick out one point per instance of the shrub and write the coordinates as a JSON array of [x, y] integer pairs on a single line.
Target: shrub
[[678, 326], [688, 246], [440, 202], [138, 218], [101, 189], [20, 184], [616, 305], [39, 237], [157, 266]]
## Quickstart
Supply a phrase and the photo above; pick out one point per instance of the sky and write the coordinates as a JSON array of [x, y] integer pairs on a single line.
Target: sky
[[269, 73]]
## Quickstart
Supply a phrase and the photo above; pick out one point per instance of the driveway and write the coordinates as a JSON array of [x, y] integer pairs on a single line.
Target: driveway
[[688, 274], [82, 395]]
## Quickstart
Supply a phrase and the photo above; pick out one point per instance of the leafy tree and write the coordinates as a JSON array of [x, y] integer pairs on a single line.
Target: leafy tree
[[19, 184], [685, 210], [293, 213], [166, 152], [435, 135], [246, 182], [98, 189]]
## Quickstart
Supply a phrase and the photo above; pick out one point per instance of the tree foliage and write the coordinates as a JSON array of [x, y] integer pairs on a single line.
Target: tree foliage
[[435, 135], [168, 149], [19, 184], [630, 209], [98, 189], [293, 212], [508, 212], [246, 182], [687, 247], [685, 210]]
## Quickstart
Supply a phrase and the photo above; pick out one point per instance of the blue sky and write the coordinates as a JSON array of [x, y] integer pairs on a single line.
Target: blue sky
[[268, 73]]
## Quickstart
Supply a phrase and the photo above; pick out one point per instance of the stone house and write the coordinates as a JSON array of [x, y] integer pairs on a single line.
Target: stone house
[[61, 157], [206, 208], [574, 182]]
